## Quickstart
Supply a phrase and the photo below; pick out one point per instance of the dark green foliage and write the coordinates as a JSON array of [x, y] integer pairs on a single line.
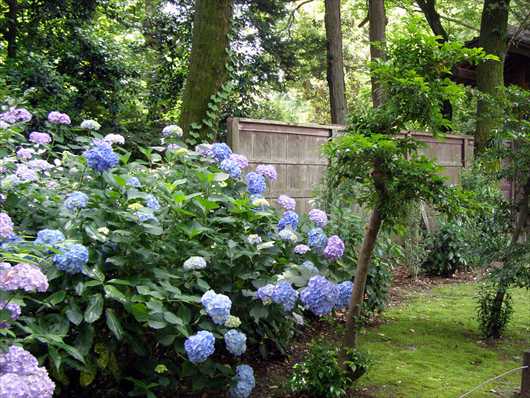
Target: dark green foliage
[[493, 311], [321, 375]]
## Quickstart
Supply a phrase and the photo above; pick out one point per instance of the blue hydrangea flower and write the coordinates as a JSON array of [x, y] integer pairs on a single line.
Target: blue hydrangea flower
[[320, 295], [200, 346], [217, 307], [243, 382], [264, 293], [289, 219], [49, 237], [145, 216], [285, 295], [334, 248], [172, 129], [152, 202], [76, 200], [344, 297], [72, 258], [319, 217], [100, 156], [134, 182], [288, 235], [230, 167], [256, 183], [207, 297], [220, 151], [317, 238], [309, 266], [236, 342]]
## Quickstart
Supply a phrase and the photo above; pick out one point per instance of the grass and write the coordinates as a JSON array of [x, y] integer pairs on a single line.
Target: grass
[[429, 347]]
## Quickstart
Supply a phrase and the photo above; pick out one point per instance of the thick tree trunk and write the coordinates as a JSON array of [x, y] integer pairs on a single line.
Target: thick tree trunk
[[376, 34], [207, 71], [490, 74], [11, 28], [335, 62]]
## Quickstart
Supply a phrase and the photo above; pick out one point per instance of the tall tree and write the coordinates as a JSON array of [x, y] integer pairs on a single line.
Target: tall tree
[[209, 57], [335, 62], [377, 27], [433, 18], [10, 33], [490, 73]]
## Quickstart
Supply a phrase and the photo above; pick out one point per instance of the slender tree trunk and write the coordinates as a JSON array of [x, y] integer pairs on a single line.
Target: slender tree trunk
[[376, 34], [490, 74], [335, 62], [207, 70], [11, 28], [433, 18]]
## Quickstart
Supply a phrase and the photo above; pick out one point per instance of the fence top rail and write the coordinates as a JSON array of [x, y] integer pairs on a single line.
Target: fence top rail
[[288, 124], [441, 136]]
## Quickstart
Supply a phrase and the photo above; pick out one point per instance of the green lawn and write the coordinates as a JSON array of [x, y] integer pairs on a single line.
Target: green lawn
[[429, 347]]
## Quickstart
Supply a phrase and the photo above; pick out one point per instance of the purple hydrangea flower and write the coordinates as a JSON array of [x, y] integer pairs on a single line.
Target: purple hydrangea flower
[[243, 382], [134, 182], [15, 115], [255, 183], [172, 129], [320, 295], [152, 202], [230, 167], [204, 150], [217, 306], [144, 216], [240, 160], [267, 170], [301, 249], [49, 237], [334, 248], [40, 138], [4, 125], [13, 309], [39, 165], [58, 118], [76, 200], [319, 217], [236, 342], [200, 346], [71, 258], [317, 239], [220, 151], [6, 226], [27, 277], [264, 293], [286, 202], [100, 156], [289, 219], [285, 295], [24, 173], [25, 153], [344, 297]]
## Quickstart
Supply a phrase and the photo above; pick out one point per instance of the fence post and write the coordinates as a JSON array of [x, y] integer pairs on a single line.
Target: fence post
[[525, 381]]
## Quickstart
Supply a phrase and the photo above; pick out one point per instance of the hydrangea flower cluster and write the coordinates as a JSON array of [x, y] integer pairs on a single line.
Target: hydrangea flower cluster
[[40, 138], [267, 170], [319, 217], [231, 167], [285, 295], [172, 129], [316, 238], [26, 277], [21, 376], [204, 150], [254, 239], [40, 165], [240, 160], [286, 202], [236, 342], [220, 151], [100, 156], [334, 248], [344, 297], [114, 139], [71, 258], [58, 118], [256, 183], [25, 153], [301, 249], [13, 309], [289, 219], [217, 306], [264, 293], [194, 263], [200, 346], [90, 125], [49, 237], [133, 182], [288, 235], [24, 173], [152, 202], [320, 295], [233, 322], [144, 216], [243, 382], [309, 266], [75, 201], [6, 226], [16, 115]]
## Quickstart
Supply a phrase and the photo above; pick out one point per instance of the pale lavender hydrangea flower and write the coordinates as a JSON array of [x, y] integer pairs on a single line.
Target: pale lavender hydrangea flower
[[114, 139], [75, 201], [286, 202], [25, 153], [15, 115], [172, 129], [27, 277], [288, 235], [301, 249], [254, 239], [6, 226], [13, 309], [334, 248], [204, 150], [40, 165], [58, 118], [24, 173], [240, 160], [267, 170], [40, 138], [319, 217], [4, 125]]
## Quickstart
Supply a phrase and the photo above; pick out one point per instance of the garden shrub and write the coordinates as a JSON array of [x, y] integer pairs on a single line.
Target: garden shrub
[[493, 319], [153, 262]]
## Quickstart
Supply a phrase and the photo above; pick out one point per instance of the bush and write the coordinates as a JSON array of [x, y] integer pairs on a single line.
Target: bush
[[493, 314], [134, 250], [321, 375]]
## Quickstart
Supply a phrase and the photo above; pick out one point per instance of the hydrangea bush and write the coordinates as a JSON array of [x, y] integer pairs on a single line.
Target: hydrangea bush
[[153, 274]]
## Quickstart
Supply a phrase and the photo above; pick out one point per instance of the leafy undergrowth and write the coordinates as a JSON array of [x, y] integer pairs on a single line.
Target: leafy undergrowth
[[428, 346]]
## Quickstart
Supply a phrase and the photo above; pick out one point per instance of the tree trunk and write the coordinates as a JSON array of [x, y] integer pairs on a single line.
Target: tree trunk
[[207, 71], [490, 74], [11, 28], [376, 34], [433, 18], [335, 62]]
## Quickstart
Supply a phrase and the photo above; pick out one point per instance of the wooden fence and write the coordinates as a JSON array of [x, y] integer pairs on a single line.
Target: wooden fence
[[295, 151]]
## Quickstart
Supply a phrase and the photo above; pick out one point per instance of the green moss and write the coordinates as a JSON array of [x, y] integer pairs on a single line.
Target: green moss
[[430, 347]]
